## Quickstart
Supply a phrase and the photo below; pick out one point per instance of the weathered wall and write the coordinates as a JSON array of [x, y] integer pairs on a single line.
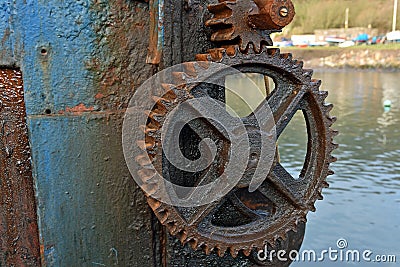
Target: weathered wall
[[82, 61]]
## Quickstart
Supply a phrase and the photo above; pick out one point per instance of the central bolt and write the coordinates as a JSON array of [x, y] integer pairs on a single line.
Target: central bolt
[[284, 12]]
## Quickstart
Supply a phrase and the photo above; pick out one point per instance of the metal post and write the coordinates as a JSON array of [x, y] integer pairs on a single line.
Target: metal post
[[395, 14]]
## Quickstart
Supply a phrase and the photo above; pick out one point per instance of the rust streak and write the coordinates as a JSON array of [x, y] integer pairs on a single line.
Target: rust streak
[[77, 109], [19, 238]]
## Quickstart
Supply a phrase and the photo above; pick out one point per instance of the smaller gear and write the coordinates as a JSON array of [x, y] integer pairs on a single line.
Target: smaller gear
[[244, 22]]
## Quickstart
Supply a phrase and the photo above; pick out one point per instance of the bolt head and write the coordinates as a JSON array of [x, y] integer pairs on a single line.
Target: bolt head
[[284, 11]]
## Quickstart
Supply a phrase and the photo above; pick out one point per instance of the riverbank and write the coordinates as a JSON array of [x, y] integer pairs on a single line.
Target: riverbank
[[359, 57]]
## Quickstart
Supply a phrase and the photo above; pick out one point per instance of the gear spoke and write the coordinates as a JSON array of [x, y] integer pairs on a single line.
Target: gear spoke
[[281, 180], [203, 211], [288, 107], [245, 210]]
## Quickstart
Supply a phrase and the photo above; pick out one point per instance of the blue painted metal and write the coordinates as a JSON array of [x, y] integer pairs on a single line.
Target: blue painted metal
[[81, 61]]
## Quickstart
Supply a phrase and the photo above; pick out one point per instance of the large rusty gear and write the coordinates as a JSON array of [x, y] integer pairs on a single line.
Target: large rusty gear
[[279, 207], [245, 22]]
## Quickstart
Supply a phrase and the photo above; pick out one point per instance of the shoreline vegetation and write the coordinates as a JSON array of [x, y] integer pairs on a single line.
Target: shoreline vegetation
[[385, 56]]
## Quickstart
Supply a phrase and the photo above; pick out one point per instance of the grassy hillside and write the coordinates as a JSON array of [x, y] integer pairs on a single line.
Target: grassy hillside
[[323, 14]]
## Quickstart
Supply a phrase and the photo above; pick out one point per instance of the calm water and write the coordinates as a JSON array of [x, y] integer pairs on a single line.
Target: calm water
[[362, 204]]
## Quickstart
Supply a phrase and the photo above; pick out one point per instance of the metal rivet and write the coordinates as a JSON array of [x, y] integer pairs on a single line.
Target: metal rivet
[[284, 12]]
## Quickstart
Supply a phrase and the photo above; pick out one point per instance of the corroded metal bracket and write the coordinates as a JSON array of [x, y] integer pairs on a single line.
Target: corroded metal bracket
[[19, 238], [244, 22]]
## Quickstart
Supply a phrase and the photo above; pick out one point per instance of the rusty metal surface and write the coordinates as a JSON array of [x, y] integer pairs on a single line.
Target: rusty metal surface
[[82, 61], [19, 238], [244, 22], [243, 222], [156, 41]]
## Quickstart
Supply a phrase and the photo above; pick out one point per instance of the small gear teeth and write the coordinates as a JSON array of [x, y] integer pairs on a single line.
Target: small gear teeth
[[150, 188], [287, 56], [316, 83], [334, 146], [313, 208], [206, 249], [274, 52], [153, 203], [234, 251], [331, 121], [180, 79], [143, 160], [143, 145], [169, 93], [220, 9], [308, 73], [193, 242], [331, 172], [146, 129], [247, 251], [320, 196], [190, 68], [328, 108]]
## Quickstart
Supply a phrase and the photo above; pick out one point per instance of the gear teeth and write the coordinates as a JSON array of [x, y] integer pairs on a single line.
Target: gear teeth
[[153, 203], [313, 208], [325, 184], [146, 175], [283, 236], [203, 58], [182, 235], [334, 133], [274, 52], [180, 78], [152, 115], [221, 250], [234, 252], [320, 196], [206, 249], [217, 54], [149, 188], [330, 172], [247, 251], [332, 159], [328, 108], [322, 95], [143, 160], [143, 145], [160, 100], [220, 7], [190, 69], [223, 35], [163, 217], [230, 50], [316, 83], [308, 73], [193, 242], [146, 130], [287, 56], [216, 22], [172, 227], [334, 146], [169, 93], [298, 64], [331, 121]]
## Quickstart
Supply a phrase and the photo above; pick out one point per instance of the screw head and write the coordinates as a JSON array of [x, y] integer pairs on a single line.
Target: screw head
[[284, 11]]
